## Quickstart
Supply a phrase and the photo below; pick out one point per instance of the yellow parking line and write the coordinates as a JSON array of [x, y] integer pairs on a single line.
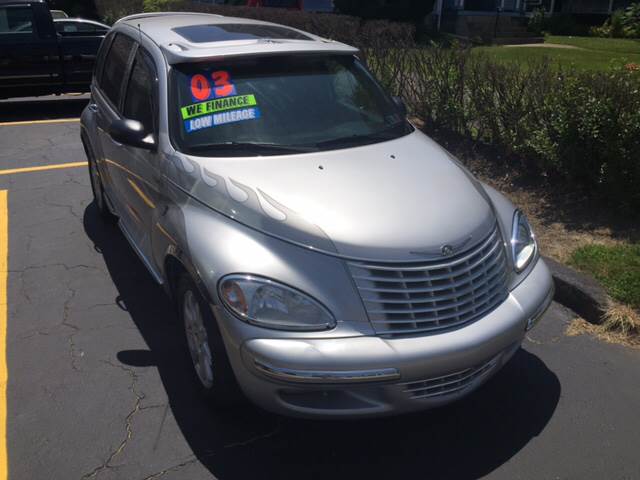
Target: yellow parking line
[[42, 168], [4, 374], [39, 122]]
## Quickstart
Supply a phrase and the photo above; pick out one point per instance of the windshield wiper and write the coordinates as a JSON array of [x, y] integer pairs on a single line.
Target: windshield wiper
[[253, 147], [356, 140]]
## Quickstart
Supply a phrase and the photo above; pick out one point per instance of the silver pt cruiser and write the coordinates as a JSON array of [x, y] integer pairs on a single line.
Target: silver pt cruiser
[[327, 258]]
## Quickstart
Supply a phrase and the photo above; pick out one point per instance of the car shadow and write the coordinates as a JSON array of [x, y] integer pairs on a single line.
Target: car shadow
[[466, 440], [43, 108]]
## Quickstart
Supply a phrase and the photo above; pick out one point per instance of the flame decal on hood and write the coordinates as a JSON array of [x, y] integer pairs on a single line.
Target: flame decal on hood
[[253, 208]]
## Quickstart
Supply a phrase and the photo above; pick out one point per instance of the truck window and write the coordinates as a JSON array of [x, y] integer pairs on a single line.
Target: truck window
[[139, 103], [79, 28], [15, 19], [115, 68]]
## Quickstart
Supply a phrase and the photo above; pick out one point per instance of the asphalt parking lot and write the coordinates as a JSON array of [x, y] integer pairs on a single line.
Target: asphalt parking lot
[[99, 383]]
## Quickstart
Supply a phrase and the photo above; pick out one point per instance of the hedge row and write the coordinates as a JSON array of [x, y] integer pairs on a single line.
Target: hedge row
[[584, 127]]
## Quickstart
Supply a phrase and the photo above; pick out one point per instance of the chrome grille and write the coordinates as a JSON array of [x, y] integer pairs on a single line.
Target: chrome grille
[[426, 297], [447, 384]]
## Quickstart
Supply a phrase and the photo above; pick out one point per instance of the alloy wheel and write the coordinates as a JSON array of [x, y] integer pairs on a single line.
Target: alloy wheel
[[197, 339]]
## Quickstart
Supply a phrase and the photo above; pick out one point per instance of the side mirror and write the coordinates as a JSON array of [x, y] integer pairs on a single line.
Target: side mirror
[[131, 133], [401, 105]]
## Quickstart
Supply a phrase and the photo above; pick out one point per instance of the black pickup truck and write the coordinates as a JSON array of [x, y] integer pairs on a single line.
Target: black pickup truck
[[35, 59]]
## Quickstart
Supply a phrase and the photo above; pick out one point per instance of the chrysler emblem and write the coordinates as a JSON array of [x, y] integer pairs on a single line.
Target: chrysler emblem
[[446, 250]]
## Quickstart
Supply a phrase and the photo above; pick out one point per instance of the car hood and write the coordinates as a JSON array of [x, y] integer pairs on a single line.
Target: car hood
[[400, 200]]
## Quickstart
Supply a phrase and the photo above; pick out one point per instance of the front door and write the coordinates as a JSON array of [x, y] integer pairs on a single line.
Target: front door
[[29, 56], [108, 100], [140, 171], [128, 89]]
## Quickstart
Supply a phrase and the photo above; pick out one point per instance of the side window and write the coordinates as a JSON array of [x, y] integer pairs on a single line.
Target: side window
[[79, 28], [115, 68], [83, 27], [139, 102], [98, 66], [15, 19], [65, 27]]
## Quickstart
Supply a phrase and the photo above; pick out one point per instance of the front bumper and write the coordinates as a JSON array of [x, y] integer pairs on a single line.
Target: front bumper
[[372, 376]]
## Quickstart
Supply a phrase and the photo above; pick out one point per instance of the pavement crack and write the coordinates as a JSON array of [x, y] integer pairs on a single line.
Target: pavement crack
[[171, 469], [74, 329], [256, 438], [101, 305], [53, 265], [242, 443], [152, 407], [70, 208], [139, 396]]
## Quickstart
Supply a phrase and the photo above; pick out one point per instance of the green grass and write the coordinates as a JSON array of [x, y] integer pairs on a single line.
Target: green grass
[[616, 267], [617, 45], [592, 54]]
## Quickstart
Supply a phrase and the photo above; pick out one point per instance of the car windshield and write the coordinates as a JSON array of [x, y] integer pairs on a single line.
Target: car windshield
[[279, 104]]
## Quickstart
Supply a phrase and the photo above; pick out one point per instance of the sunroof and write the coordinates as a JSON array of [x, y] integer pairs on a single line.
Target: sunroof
[[236, 31]]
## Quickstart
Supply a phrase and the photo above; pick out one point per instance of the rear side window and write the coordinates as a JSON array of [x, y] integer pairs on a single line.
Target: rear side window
[[79, 28], [16, 19], [139, 104], [115, 68]]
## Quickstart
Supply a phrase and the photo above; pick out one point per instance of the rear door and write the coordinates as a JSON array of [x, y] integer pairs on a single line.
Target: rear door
[[29, 52]]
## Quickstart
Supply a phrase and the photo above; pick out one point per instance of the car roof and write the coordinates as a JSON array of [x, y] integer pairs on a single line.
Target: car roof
[[190, 37]]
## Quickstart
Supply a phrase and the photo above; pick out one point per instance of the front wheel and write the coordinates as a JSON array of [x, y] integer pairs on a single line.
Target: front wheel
[[206, 347]]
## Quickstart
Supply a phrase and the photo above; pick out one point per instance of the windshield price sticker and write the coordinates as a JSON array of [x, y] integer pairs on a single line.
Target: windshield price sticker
[[216, 102], [218, 105], [224, 118]]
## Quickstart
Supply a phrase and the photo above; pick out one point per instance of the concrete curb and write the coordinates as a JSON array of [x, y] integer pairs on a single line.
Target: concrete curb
[[578, 291]]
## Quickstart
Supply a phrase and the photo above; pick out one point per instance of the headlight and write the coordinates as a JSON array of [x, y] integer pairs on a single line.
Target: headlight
[[523, 242], [270, 304]]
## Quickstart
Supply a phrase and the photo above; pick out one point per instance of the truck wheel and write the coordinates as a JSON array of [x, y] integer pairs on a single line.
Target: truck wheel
[[206, 347]]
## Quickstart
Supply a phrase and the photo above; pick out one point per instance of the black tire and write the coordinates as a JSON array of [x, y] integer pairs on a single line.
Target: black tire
[[222, 390], [97, 188]]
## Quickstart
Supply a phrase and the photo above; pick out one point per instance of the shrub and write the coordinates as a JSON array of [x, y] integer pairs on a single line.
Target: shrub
[[621, 24], [583, 127], [157, 5], [631, 21], [537, 21], [111, 10]]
